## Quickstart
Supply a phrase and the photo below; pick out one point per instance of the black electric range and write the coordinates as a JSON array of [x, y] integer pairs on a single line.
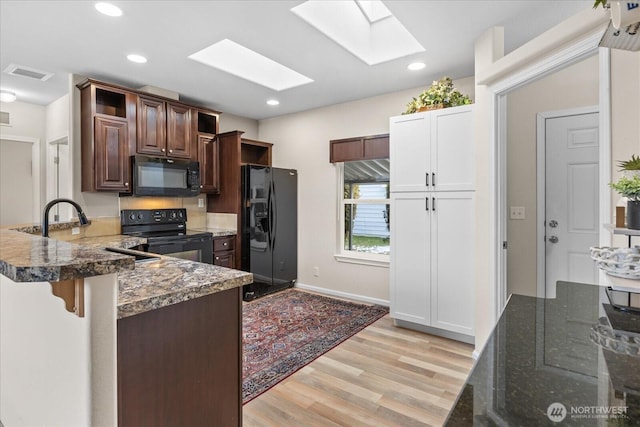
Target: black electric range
[[167, 234]]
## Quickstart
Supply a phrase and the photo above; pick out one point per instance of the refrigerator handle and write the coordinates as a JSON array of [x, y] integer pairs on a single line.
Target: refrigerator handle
[[274, 216], [269, 225]]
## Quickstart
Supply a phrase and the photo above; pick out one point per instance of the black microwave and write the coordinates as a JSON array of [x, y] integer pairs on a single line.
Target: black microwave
[[156, 176]]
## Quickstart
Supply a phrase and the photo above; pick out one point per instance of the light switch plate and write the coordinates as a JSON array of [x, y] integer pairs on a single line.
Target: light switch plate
[[75, 230], [517, 212]]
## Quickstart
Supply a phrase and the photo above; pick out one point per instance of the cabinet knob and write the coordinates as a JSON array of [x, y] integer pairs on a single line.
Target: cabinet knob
[[201, 186], [126, 184], [225, 244], [217, 258], [162, 149], [171, 151]]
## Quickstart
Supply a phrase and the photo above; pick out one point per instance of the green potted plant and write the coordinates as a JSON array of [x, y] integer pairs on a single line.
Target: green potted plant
[[629, 187], [632, 165], [441, 94]]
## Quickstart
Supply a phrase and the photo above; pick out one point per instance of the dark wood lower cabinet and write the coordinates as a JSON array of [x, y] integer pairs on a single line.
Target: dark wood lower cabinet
[[181, 365]]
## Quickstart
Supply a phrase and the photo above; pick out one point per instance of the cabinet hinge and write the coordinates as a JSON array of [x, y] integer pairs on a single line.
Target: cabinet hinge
[[56, 160], [504, 245]]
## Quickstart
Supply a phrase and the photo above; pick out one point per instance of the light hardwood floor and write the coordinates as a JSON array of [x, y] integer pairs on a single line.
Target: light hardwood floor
[[382, 376]]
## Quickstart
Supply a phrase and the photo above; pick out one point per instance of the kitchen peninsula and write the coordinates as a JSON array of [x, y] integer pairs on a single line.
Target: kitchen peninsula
[[158, 344]]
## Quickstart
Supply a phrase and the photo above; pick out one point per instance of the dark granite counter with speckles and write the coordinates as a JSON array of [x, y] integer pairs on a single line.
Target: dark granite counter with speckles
[[560, 357], [28, 258]]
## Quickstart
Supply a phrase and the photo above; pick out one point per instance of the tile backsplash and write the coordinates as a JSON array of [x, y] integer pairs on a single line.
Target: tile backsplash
[[222, 220]]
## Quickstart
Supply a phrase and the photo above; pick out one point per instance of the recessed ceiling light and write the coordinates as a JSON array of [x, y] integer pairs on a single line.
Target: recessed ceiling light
[[6, 96], [415, 66], [108, 9], [230, 57], [139, 59], [273, 102]]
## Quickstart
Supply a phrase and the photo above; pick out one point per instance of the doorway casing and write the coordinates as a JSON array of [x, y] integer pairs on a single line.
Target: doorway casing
[[35, 167], [499, 88]]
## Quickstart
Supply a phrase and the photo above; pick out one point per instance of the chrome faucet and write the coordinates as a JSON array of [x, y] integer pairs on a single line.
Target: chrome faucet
[[45, 216]]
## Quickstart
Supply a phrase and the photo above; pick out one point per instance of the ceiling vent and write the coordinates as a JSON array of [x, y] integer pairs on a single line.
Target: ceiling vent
[[32, 73], [5, 118]]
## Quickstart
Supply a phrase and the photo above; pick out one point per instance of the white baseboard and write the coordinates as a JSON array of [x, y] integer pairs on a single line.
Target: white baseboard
[[344, 295]]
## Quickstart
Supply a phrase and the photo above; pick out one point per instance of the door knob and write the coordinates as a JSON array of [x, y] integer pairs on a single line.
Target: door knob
[[553, 239], [553, 223]]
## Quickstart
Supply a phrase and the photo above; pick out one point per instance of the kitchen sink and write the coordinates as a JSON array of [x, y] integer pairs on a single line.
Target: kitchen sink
[[139, 256]]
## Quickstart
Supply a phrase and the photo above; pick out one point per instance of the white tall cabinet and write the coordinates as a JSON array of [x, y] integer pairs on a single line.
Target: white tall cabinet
[[432, 221]]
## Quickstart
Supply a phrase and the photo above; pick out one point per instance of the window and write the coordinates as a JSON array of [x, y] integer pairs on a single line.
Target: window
[[364, 210]]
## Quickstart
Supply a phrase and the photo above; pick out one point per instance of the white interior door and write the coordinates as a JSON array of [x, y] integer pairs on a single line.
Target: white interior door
[[16, 182], [571, 193]]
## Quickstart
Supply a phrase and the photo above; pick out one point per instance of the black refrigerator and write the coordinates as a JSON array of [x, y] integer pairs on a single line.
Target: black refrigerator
[[269, 229]]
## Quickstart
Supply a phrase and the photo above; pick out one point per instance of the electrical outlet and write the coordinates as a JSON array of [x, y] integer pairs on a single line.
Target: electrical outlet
[[316, 271], [75, 230], [201, 203], [517, 212]]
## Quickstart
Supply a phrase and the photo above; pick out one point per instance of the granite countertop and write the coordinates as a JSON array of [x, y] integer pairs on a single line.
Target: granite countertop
[[37, 228], [217, 232], [28, 258], [112, 241], [142, 286], [572, 356], [169, 281]]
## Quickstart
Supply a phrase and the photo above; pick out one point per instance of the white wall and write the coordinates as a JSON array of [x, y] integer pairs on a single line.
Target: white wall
[[575, 86], [57, 369], [229, 122], [57, 129], [301, 141], [625, 117]]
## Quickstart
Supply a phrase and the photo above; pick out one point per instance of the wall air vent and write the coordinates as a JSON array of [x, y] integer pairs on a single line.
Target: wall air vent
[[5, 118], [32, 73]]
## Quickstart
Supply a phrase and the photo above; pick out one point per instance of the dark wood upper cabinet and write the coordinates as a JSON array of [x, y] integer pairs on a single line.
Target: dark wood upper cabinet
[[254, 152], [112, 153], [179, 141], [209, 158], [151, 126], [359, 148], [164, 128], [134, 122], [107, 121], [205, 126]]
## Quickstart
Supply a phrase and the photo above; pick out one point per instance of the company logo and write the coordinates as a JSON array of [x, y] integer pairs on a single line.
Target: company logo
[[556, 412]]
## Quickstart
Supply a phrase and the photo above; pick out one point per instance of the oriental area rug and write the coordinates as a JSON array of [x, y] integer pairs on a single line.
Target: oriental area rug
[[283, 332]]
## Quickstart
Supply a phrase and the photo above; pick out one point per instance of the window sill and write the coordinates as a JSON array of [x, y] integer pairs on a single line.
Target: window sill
[[362, 259]]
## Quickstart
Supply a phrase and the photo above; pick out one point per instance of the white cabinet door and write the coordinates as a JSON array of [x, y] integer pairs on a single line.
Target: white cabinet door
[[409, 152], [452, 261], [410, 258], [452, 149]]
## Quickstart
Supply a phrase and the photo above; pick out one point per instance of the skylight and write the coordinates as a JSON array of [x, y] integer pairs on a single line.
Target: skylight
[[367, 29], [232, 58], [374, 10]]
